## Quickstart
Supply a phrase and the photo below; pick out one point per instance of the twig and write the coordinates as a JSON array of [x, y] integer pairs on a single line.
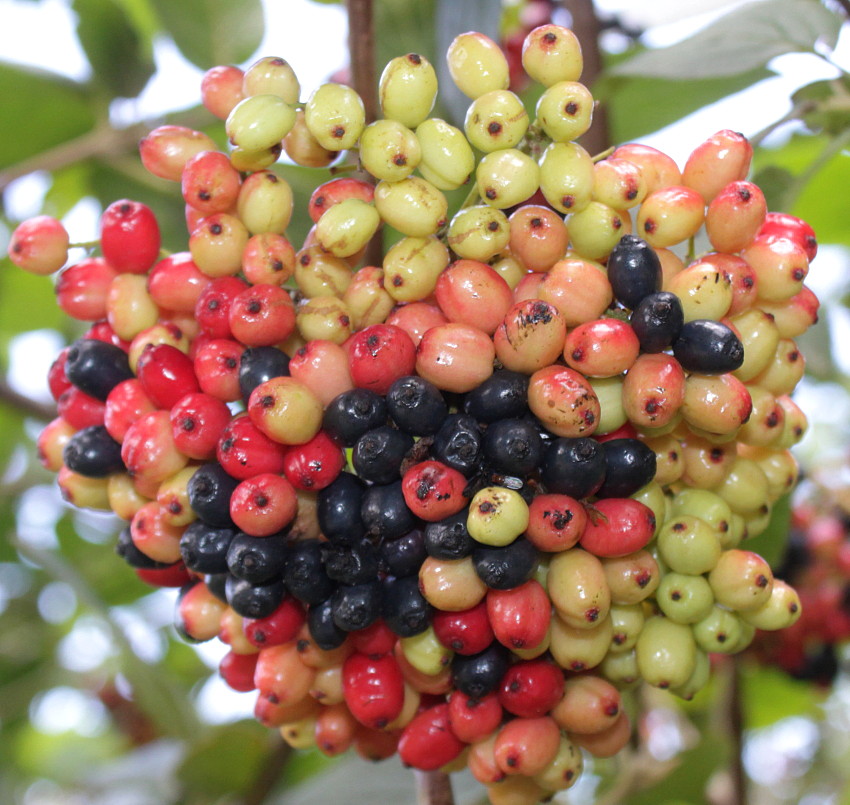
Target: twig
[[269, 774], [42, 411], [361, 45], [586, 26], [433, 788], [735, 715]]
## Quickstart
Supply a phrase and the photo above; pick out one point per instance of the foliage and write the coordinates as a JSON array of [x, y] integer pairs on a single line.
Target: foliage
[[154, 741]]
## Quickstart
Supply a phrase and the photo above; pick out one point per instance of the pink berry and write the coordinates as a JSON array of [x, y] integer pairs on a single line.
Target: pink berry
[[263, 504], [262, 315], [197, 422], [81, 289], [39, 245], [455, 357]]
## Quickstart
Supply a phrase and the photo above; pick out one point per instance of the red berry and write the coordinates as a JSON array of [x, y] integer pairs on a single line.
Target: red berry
[[783, 225], [465, 632], [427, 742], [263, 504], [471, 292], [79, 410], [520, 616], [126, 403], [212, 309], [527, 745], [262, 315], [531, 688], [237, 670], [555, 522], [379, 355], [433, 491], [81, 289], [373, 688], [315, 464], [416, 319], [244, 451], [57, 380], [326, 195], [281, 626], [217, 368], [175, 283], [322, 366], [617, 526], [129, 236], [197, 422], [473, 719], [375, 640], [39, 245], [209, 182], [166, 374], [174, 575]]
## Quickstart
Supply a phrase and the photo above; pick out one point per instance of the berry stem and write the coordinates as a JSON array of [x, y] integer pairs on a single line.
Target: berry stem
[[433, 788], [603, 154], [795, 113], [85, 244], [41, 411]]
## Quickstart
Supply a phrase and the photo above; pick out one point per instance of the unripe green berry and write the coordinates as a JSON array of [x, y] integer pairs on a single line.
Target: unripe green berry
[[566, 176], [478, 233], [628, 621], [741, 580], [497, 516], [389, 150], [719, 631], [259, 122], [688, 545], [565, 111], [264, 203], [620, 668], [272, 76], [496, 120], [609, 390], [780, 611], [697, 680], [408, 89], [507, 178], [447, 158], [705, 504], [425, 652], [552, 53], [413, 206], [347, 227], [412, 267], [578, 589], [684, 598], [745, 487], [247, 161], [596, 230], [476, 64], [665, 652], [335, 116]]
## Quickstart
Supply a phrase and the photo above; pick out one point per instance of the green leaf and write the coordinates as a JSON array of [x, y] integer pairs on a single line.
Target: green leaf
[[27, 302], [121, 59], [744, 39], [826, 104], [768, 694], [637, 106], [774, 183], [212, 32], [770, 544], [39, 110], [227, 760]]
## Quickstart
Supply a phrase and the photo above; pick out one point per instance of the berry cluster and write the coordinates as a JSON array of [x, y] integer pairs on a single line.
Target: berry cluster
[[450, 505]]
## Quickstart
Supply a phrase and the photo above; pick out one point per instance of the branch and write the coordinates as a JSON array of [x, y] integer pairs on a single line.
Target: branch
[[586, 26], [28, 407], [735, 717], [433, 788]]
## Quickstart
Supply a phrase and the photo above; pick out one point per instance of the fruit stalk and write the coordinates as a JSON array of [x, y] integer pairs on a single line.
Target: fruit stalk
[[433, 788]]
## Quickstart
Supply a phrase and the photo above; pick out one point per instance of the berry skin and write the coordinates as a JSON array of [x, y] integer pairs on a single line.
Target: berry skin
[[723, 158], [455, 357], [602, 348], [476, 64], [577, 587], [285, 411], [465, 632], [473, 293], [589, 705], [473, 719], [552, 53], [531, 688], [93, 452], [783, 225], [212, 310], [166, 149], [579, 289], [427, 742], [670, 215], [563, 401], [373, 688], [263, 505], [81, 289], [315, 464], [322, 366], [245, 451], [634, 270], [129, 236], [555, 523], [657, 321], [95, 367], [217, 368], [416, 406], [221, 89], [525, 746], [433, 491], [262, 315], [519, 617], [380, 355], [167, 375], [39, 245], [617, 527], [708, 347]]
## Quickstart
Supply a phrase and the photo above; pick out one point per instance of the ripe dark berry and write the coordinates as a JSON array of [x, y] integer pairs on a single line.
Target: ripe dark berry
[[209, 492], [351, 414], [320, 621], [378, 454], [708, 347], [503, 568], [405, 555], [95, 367], [253, 600], [574, 467], [449, 538], [657, 321], [304, 573], [204, 547], [93, 452], [256, 559], [634, 270], [338, 509], [416, 405], [458, 443], [503, 395], [476, 675], [259, 364], [513, 447], [629, 465], [385, 513], [405, 610], [356, 606], [351, 564]]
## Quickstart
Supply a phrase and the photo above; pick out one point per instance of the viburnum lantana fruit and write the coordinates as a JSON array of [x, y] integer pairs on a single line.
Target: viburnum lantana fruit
[[429, 505]]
